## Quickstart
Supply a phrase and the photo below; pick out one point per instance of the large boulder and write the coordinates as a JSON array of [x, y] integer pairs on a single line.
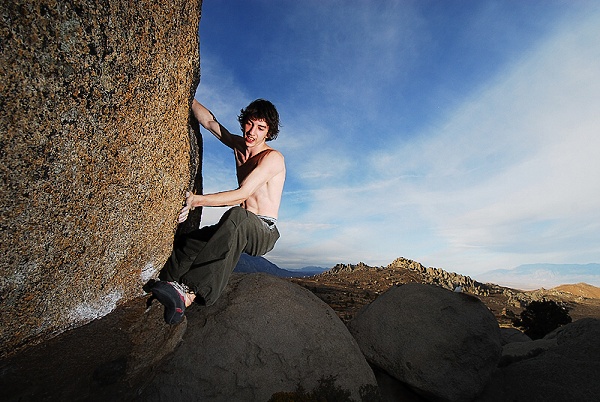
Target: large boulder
[[94, 154], [564, 366], [443, 344], [264, 335]]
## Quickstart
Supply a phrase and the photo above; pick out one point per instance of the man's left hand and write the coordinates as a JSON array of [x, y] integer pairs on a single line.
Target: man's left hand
[[183, 214]]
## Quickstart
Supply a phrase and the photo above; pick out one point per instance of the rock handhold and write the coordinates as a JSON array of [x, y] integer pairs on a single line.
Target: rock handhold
[[442, 343]]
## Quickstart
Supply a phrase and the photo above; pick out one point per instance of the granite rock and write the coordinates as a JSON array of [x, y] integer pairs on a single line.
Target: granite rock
[[109, 359], [512, 335], [563, 366], [94, 155]]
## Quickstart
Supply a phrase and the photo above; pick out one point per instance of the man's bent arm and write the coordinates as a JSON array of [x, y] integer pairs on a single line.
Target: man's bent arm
[[222, 199], [209, 122], [268, 168], [271, 165]]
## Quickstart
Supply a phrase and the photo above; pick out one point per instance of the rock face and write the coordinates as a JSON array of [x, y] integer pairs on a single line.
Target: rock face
[[95, 154], [564, 366], [264, 335], [444, 344]]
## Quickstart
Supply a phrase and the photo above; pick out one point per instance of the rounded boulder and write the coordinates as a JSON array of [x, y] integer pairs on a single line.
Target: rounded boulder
[[443, 344], [263, 336]]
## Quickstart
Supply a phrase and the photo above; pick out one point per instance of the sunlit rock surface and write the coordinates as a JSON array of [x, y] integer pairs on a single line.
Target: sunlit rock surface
[[94, 155]]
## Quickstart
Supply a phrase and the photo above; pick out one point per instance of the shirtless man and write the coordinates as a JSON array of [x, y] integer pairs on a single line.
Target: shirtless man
[[202, 261]]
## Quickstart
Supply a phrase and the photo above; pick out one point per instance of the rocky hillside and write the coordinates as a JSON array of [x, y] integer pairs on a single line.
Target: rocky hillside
[[347, 288], [580, 289]]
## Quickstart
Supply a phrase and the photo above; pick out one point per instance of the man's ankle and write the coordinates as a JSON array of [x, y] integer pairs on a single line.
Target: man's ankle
[[189, 299]]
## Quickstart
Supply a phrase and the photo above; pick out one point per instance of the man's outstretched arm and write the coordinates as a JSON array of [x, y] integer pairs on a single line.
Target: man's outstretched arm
[[209, 122]]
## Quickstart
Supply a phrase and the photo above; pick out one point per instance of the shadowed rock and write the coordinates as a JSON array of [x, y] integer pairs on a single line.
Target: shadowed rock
[[564, 366], [109, 359], [442, 343], [513, 335]]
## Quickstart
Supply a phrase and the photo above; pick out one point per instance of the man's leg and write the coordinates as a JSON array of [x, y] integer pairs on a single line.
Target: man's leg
[[238, 231], [185, 250], [169, 291]]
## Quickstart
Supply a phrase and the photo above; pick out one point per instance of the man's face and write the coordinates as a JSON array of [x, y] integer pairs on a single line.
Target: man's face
[[255, 132]]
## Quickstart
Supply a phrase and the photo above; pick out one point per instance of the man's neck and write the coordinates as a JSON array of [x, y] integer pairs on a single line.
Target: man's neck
[[251, 152]]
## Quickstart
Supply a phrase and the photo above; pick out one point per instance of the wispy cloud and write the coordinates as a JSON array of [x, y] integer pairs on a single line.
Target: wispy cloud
[[509, 177]]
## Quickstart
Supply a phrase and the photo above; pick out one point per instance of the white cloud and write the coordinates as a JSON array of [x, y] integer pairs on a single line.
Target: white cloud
[[538, 202]]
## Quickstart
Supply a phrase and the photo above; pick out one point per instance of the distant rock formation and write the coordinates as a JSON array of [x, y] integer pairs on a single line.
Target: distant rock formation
[[263, 336], [582, 290], [443, 344], [95, 155], [442, 278], [453, 281], [339, 268], [434, 276]]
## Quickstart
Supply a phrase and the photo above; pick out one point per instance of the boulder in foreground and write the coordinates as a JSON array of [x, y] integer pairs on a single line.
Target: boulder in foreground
[[263, 336], [443, 344]]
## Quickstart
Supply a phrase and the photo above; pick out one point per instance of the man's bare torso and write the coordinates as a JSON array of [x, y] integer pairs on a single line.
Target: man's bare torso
[[266, 199]]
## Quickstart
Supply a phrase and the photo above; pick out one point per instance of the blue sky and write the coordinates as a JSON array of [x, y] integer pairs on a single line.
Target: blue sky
[[460, 134]]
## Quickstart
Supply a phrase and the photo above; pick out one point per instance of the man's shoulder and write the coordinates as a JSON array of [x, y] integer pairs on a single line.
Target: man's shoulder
[[274, 151], [272, 159], [272, 154]]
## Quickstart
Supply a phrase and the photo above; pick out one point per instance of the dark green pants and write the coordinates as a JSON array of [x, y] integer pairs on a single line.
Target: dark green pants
[[204, 259]]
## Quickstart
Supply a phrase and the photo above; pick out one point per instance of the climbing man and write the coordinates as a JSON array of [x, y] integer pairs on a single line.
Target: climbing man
[[202, 261]]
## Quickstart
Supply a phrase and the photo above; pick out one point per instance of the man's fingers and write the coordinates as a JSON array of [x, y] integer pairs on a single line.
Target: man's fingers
[[182, 216]]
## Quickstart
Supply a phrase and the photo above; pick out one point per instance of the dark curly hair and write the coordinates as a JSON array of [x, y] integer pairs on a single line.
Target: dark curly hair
[[261, 109]]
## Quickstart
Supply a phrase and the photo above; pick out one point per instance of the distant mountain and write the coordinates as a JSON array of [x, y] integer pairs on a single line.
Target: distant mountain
[[535, 276], [525, 277], [308, 271], [250, 264]]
